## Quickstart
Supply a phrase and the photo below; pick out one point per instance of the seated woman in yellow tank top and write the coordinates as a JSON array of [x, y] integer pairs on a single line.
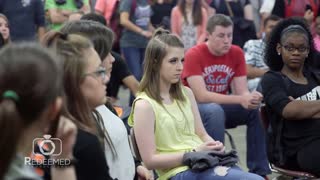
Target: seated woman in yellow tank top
[[166, 119]]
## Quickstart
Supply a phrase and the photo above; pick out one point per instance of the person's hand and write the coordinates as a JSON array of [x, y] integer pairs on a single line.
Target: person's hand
[[291, 98], [308, 15], [252, 100], [66, 132], [144, 173], [211, 145], [146, 34]]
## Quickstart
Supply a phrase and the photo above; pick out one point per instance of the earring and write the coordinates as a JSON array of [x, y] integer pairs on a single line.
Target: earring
[[307, 55], [279, 53]]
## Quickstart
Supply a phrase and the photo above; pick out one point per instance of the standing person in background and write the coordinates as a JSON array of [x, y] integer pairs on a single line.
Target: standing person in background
[[242, 16], [254, 54], [30, 105], [188, 21], [106, 8], [4, 28], [26, 17], [309, 9], [161, 13], [135, 18], [59, 11], [137, 31]]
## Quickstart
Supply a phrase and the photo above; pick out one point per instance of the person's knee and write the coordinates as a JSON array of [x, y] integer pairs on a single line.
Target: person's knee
[[211, 109]]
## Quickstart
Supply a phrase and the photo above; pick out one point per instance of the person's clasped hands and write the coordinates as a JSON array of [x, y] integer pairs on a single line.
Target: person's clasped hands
[[252, 100]]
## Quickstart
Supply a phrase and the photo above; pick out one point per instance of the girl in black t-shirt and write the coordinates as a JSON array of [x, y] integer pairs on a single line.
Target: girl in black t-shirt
[[292, 92]]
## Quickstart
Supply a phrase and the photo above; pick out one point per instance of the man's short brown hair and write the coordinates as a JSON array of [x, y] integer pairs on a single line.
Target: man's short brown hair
[[218, 20]]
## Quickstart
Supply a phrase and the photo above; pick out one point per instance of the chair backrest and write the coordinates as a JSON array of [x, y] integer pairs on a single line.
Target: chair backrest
[[134, 146]]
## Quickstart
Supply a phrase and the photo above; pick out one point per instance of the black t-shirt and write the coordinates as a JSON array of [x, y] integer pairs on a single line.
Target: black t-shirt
[[92, 162], [236, 6], [159, 12], [119, 71], [276, 94]]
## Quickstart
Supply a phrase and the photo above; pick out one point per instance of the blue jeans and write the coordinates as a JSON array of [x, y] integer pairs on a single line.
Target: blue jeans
[[234, 173], [134, 58], [216, 118]]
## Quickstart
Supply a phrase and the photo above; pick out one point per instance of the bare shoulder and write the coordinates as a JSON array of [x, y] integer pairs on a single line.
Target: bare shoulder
[[142, 105], [188, 92]]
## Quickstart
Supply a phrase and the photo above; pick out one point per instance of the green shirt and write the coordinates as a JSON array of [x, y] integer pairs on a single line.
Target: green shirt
[[174, 130], [69, 5]]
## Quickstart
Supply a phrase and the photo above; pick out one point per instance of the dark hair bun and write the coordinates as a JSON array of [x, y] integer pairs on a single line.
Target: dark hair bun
[[160, 31]]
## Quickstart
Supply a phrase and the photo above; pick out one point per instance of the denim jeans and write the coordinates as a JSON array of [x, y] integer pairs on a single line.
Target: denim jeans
[[234, 173], [216, 118], [134, 58]]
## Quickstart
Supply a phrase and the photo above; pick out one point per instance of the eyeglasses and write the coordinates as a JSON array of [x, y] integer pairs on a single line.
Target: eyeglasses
[[301, 49], [101, 72]]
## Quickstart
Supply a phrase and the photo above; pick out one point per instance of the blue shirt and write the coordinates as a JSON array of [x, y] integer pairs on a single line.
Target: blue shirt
[[25, 16]]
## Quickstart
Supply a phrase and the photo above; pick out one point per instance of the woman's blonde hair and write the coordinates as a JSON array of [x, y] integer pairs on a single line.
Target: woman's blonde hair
[[156, 50]]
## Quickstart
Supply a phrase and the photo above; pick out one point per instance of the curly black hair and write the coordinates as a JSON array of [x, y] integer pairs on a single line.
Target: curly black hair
[[271, 58]]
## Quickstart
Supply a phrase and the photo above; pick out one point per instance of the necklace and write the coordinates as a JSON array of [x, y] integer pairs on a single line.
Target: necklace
[[182, 125]]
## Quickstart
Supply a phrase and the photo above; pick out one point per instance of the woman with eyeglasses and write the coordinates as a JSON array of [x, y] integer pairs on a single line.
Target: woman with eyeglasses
[[122, 165], [292, 94], [84, 82]]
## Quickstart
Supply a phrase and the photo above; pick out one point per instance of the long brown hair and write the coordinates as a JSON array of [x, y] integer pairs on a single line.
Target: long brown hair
[[71, 51], [6, 41], [196, 11], [155, 52], [33, 74], [101, 38]]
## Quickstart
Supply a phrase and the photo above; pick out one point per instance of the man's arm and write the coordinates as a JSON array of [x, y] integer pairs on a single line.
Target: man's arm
[[202, 95], [254, 72], [41, 33], [132, 83], [56, 16], [239, 85]]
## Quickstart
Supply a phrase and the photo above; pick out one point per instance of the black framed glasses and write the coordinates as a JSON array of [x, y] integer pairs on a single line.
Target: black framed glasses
[[301, 49], [100, 72]]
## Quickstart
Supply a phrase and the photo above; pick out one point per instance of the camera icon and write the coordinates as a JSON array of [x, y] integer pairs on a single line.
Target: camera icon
[[48, 146]]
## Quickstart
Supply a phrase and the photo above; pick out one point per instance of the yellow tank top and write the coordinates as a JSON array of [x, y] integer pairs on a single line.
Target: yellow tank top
[[174, 130]]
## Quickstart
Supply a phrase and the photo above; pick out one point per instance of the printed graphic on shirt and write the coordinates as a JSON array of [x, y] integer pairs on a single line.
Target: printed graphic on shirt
[[313, 95], [25, 3], [142, 15], [218, 77]]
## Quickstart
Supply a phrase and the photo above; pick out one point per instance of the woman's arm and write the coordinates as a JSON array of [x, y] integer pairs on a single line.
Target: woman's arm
[[125, 22], [300, 110], [203, 35], [144, 123], [247, 10], [175, 19]]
